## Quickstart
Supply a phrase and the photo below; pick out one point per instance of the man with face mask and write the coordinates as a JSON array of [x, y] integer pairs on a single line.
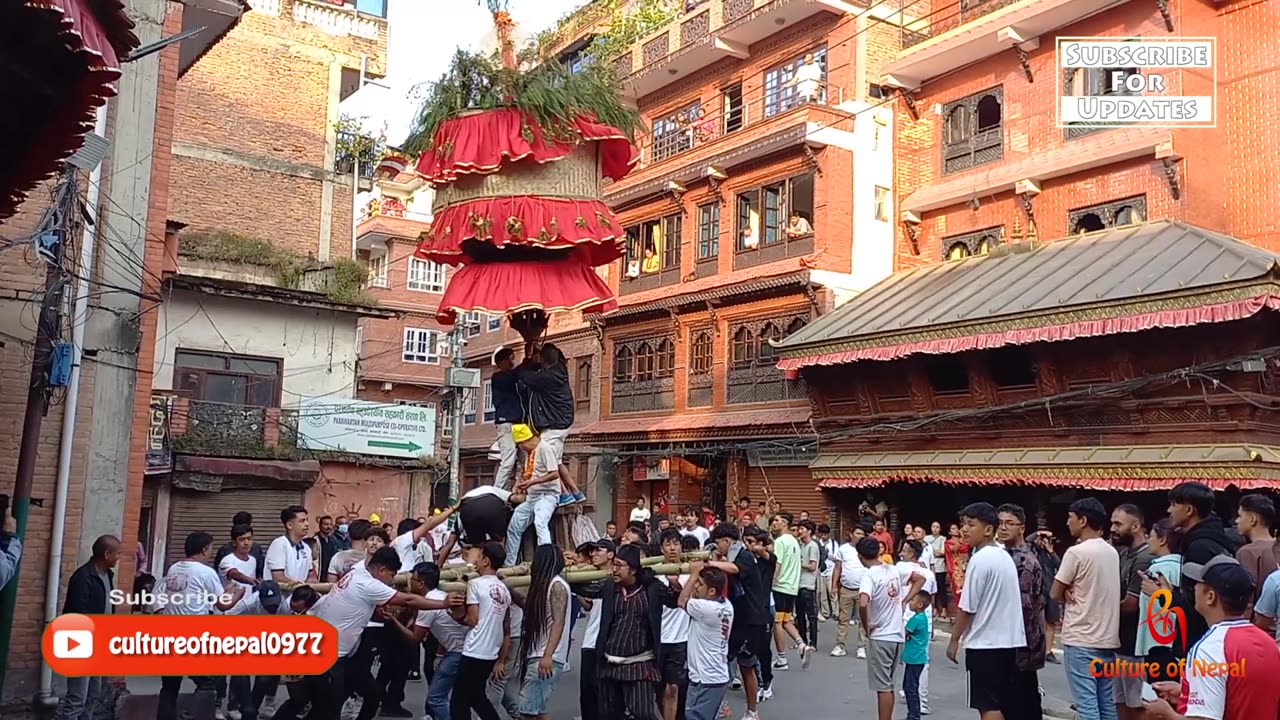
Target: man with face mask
[[1130, 540]]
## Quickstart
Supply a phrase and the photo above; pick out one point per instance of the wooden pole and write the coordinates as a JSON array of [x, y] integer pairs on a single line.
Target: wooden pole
[[517, 576]]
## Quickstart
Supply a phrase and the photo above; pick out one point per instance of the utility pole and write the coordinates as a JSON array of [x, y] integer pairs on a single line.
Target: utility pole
[[456, 343], [47, 331]]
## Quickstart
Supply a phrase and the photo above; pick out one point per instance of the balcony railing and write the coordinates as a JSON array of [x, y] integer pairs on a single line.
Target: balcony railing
[[202, 427], [694, 126], [387, 206], [948, 17], [339, 18]]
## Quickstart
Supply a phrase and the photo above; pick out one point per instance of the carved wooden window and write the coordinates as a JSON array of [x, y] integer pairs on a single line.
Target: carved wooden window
[[973, 133], [753, 375], [582, 384], [1127, 211], [765, 229], [708, 231], [646, 381], [653, 253], [701, 360], [977, 243]]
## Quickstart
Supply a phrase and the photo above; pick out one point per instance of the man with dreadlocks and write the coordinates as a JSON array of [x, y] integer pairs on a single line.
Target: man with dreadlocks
[[630, 638], [544, 637]]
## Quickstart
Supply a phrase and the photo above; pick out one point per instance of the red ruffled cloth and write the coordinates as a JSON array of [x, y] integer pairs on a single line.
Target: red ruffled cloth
[[507, 287], [480, 143], [528, 220]]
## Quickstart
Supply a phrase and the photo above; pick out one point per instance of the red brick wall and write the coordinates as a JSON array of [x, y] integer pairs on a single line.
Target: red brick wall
[[1228, 193], [263, 93], [358, 490]]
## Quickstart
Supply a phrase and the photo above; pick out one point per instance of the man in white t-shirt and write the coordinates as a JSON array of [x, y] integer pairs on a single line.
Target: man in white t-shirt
[[710, 623], [541, 484], [240, 567], [990, 617], [588, 694], [486, 646], [348, 607], [289, 559], [693, 529], [675, 635], [846, 581], [881, 606], [449, 633], [808, 80], [191, 587]]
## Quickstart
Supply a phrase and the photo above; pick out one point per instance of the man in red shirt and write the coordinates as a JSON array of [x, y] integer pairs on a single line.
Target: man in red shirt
[[1217, 683]]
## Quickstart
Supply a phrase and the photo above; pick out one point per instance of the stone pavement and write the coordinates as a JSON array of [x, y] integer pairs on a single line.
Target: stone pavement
[[831, 688]]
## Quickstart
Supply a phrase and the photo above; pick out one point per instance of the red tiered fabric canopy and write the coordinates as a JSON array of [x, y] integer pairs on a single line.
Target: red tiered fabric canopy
[[527, 220], [521, 252], [498, 288], [68, 54], [481, 142]]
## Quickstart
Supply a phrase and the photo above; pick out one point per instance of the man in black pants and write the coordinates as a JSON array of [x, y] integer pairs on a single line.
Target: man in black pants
[[602, 553], [487, 645], [483, 516], [348, 608]]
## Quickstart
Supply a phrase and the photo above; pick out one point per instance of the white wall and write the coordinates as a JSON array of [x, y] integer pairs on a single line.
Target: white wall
[[872, 166], [318, 347]]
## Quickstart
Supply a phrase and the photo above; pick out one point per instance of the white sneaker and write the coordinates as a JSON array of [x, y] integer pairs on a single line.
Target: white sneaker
[[862, 653], [233, 715], [736, 684], [838, 651], [781, 663], [765, 693], [806, 656], [219, 714], [750, 715]]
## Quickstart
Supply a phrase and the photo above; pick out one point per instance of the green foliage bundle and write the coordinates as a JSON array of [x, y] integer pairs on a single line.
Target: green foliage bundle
[[548, 92]]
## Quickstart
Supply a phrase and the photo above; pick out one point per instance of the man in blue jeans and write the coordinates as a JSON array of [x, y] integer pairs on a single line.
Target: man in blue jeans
[[541, 482], [448, 632], [1088, 586]]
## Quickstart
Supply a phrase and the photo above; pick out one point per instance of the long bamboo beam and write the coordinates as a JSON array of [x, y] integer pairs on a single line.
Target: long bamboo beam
[[517, 576]]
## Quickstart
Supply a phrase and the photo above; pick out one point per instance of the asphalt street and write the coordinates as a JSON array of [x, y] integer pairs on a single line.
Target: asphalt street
[[831, 688]]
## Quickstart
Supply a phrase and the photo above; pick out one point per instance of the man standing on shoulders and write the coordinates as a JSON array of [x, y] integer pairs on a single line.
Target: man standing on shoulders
[[882, 607], [786, 589], [551, 408], [989, 619], [846, 579], [507, 411], [1025, 695], [1130, 539], [88, 593], [1088, 585], [1223, 590]]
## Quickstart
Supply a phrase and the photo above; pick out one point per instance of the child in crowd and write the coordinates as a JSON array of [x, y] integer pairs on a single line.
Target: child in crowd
[[301, 600], [915, 652]]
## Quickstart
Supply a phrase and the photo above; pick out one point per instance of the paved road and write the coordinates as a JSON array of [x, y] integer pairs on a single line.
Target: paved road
[[831, 688]]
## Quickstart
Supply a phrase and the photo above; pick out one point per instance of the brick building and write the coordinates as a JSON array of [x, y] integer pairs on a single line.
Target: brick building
[[762, 199], [129, 238], [264, 294], [1052, 279]]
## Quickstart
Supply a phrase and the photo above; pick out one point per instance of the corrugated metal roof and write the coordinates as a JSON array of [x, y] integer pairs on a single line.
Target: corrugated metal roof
[[1108, 266], [1048, 457]]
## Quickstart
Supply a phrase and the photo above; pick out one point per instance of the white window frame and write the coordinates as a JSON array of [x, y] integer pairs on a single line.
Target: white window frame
[[473, 320], [489, 412], [495, 323], [446, 429], [378, 271], [422, 346], [469, 407], [883, 203], [425, 276]]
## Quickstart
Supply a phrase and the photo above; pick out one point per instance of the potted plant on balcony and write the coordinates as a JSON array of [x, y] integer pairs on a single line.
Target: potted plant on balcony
[[516, 151]]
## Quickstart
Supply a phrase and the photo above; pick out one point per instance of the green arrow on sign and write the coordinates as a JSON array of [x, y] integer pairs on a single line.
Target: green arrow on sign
[[409, 446]]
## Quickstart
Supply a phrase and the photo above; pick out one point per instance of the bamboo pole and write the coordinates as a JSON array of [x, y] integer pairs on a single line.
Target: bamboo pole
[[517, 576]]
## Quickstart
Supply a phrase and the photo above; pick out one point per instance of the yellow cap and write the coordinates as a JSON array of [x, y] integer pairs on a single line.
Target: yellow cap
[[373, 517], [520, 433]]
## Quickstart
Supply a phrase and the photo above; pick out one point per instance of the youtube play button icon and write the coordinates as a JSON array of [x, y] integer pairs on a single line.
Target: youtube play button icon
[[68, 644], [73, 644]]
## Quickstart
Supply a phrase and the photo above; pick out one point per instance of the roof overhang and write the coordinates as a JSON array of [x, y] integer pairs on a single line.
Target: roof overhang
[[217, 17], [1123, 280], [970, 41], [1128, 468], [697, 426], [723, 288], [272, 294], [213, 474]]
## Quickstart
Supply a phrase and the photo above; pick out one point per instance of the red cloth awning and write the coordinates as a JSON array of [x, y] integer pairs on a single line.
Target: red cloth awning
[[68, 54], [481, 142], [498, 288], [1066, 480], [526, 220]]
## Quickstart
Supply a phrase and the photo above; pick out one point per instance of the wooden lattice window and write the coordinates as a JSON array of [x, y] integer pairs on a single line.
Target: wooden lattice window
[[647, 380], [1126, 211], [974, 244], [753, 375], [973, 133]]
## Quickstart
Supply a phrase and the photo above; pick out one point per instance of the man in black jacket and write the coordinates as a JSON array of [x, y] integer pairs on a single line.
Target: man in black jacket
[[507, 411], [1203, 537], [88, 593], [629, 645], [544, 378]]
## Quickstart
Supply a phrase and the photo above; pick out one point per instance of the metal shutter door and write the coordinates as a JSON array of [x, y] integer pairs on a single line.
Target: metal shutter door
[[793, 486], [193, 511]]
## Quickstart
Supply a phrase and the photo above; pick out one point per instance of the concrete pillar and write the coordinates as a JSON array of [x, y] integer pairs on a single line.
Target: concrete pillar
[[113, 330]]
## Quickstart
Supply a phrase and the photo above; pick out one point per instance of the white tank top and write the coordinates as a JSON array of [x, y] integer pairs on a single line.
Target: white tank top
[[561, 653]]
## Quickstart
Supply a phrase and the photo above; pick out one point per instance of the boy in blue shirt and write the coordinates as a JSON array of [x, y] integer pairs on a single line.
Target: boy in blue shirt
[[915, 652]]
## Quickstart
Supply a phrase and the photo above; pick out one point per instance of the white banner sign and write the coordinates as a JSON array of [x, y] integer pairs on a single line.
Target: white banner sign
[[367, 428]]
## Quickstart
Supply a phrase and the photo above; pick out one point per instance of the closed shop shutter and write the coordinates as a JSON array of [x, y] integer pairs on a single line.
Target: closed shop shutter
[[793, 486], [193, 511]]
